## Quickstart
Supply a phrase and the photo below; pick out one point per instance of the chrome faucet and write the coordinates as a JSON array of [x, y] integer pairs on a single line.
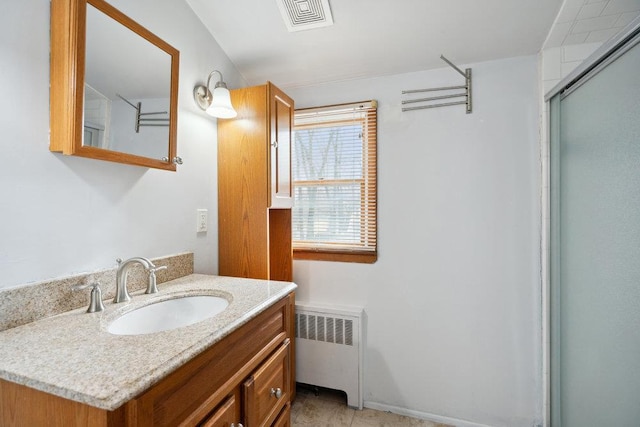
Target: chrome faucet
[[122, 295]]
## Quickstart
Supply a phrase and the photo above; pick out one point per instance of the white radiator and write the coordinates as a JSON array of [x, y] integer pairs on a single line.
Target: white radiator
[[329, 349]]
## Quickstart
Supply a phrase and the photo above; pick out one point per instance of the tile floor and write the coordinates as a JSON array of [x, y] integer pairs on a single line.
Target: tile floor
[[319, 407]]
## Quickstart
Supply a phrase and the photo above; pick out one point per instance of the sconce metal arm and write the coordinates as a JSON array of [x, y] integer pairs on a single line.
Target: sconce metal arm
[[220, 82]]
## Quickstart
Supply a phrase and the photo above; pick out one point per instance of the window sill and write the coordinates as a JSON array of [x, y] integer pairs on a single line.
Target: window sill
[[337, 256]]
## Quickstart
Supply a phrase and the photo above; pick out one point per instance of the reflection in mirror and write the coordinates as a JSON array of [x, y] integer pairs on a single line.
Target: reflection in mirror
[[114, 86], [126, 102]]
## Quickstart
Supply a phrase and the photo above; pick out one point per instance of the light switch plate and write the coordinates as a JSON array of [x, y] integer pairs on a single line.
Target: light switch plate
[[202, 219]]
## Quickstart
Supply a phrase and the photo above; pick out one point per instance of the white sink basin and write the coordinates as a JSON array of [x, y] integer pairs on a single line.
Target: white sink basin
[[168, 314]]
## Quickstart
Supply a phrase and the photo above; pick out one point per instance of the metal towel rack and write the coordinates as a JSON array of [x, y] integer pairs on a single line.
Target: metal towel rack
[[466, 94], [145, 121]]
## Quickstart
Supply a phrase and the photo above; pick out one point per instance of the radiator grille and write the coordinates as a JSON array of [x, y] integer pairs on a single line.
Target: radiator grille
[[329, 348], [322, 328]]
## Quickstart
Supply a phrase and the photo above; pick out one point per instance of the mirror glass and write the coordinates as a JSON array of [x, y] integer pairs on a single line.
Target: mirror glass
[[127, 90], [114, 87]]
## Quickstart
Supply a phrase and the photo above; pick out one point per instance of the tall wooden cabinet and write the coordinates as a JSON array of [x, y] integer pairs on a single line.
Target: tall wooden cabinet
[[255, 193]]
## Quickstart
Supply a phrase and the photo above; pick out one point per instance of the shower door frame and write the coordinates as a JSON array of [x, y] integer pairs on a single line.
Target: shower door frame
[[598, 61]]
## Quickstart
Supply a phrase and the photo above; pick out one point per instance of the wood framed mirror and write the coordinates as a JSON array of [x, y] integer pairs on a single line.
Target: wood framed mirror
[[114, 87]]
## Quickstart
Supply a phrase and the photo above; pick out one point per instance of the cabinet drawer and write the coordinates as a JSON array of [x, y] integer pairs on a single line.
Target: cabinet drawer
[[267, 390], [226, 415], [284, 419]]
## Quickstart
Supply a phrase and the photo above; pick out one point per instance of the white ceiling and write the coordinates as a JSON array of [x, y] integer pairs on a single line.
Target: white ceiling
[[591, 21], [374, 37]]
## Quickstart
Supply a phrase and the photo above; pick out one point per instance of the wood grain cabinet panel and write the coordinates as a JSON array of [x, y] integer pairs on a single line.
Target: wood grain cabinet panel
[[227, 415], [281, 117], [267, 390], [284, 419], [255, 192]]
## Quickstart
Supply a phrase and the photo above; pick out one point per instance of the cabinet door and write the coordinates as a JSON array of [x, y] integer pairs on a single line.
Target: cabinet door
[[267, 390], [227, 415], [281, 111]]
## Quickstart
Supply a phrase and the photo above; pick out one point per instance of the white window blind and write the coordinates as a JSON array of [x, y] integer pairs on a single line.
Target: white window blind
[[334, 178]]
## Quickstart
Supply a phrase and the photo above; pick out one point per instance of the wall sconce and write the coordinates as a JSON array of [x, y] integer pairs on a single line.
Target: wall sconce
[[217, 104]]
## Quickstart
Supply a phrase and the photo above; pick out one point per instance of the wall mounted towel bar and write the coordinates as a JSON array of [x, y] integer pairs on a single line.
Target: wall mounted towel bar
[[457, 95], [145, 121]]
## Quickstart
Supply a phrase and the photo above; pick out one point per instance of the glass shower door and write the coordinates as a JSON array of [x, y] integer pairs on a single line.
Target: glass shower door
[[595, 248]]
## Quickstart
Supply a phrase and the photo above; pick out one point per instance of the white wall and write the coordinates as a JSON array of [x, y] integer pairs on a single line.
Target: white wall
[[62, 215], [453, 302]]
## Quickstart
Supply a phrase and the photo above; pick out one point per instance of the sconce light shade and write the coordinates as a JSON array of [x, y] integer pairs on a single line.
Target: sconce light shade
[[221, 105], [217, 104]]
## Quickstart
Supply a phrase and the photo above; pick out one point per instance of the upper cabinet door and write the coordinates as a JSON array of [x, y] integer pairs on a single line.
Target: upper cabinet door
[[281, 117]]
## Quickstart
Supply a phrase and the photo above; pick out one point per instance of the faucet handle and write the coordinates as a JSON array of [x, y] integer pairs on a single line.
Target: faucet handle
[[95, 301], [152, 287]]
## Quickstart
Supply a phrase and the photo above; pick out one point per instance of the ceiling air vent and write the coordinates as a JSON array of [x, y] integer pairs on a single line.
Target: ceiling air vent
[[305, 14]]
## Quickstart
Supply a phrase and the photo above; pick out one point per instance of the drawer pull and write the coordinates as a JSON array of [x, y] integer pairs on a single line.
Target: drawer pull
[[277, 392], [236, 425]]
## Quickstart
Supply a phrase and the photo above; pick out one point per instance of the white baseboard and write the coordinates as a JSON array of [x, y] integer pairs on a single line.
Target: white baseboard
[[422, 415]]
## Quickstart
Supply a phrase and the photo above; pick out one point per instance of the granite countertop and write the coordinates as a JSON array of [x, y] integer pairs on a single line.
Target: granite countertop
[[73, 356]]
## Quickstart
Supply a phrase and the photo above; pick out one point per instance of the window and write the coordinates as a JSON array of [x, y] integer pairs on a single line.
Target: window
[[334, 181]]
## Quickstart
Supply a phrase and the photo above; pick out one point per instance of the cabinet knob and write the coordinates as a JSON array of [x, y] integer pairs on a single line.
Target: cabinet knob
[[176, 160], [274, 144], [277, 392]]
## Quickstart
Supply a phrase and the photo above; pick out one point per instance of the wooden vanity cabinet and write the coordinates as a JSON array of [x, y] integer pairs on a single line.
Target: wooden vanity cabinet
[[234, 381], [255, 193]]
